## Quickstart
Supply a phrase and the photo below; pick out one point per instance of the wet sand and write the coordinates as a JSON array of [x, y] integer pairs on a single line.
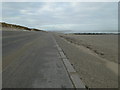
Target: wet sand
[[94, 57]]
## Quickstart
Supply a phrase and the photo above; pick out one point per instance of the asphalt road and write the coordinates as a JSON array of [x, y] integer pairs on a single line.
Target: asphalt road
[[31, 60]]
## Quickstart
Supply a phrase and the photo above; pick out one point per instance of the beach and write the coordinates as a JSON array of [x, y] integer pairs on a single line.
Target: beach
[[94, 57]]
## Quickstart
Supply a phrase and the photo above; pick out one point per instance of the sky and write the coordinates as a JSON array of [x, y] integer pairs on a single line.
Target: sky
[[63, 16]]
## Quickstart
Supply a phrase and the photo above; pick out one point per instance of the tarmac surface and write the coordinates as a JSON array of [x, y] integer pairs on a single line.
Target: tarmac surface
[[32, 60]]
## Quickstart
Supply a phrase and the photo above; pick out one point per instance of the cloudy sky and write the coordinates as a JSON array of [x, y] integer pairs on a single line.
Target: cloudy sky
[[63, 16]]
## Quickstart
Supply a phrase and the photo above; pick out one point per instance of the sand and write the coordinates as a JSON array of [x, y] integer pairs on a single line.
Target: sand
[[105, 46], [94, 57]]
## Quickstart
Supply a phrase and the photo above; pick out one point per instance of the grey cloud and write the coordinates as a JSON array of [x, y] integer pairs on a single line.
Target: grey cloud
[[42, 14]]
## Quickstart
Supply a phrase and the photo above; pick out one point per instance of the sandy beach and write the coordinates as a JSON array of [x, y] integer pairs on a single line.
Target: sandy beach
[[94, 57]]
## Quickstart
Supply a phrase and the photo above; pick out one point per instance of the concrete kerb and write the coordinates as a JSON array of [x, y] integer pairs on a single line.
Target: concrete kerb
[[71, 71]]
